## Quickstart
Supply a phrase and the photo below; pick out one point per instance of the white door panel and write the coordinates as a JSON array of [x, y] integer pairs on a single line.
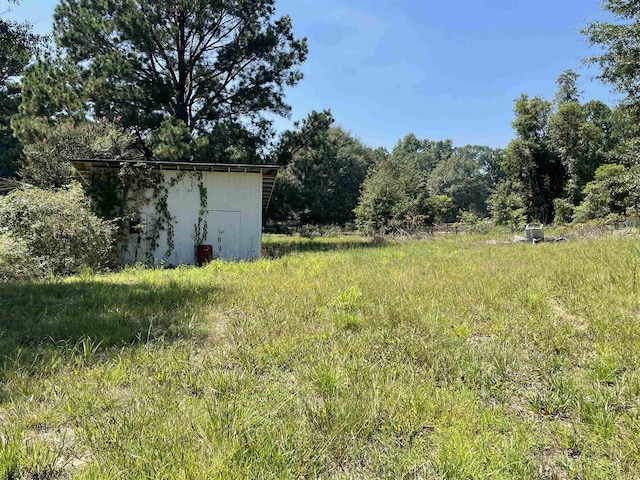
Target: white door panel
[[223, 228]]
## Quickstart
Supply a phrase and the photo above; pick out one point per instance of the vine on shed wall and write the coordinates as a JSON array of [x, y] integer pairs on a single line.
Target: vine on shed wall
[[200, 228], [122, 196]]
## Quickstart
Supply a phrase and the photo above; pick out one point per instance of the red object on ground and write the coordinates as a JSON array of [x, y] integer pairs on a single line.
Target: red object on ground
[[204, 254]]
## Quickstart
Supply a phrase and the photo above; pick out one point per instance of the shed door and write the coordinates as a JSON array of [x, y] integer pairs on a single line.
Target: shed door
[[223, 227]]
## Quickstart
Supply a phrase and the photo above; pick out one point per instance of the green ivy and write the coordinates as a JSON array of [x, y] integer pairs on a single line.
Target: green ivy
[[122, 196], [200, 228]]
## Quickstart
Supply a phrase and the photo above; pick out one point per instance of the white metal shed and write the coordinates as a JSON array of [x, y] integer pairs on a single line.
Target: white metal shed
[[212, 204]]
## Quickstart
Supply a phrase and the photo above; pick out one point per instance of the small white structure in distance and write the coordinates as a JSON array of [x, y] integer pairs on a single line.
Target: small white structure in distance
[[230, 221], [534, 232]]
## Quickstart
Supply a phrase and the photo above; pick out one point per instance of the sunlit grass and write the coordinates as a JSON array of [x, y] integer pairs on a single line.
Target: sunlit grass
[[344, 358]]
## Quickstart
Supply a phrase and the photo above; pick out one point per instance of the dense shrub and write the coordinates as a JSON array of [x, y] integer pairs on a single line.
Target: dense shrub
[[610, 194], [391, 195], [16, 262], [508, 206], [472, 223], [564, 210], [57, 228]]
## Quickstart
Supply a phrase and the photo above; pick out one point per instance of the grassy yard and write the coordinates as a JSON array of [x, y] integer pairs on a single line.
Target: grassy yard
[[450, 358]]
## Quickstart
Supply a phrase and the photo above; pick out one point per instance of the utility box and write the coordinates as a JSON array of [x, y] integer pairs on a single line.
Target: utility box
[[534, 232]]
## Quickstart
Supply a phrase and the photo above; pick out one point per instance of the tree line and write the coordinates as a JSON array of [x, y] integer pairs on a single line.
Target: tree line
[[201, 81]]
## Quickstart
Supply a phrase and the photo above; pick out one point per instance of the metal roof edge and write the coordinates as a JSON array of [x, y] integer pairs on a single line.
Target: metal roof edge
[[267, 171], [107, 161]]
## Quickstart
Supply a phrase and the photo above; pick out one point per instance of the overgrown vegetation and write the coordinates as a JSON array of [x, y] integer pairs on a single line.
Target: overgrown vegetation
[[51, 145], [451, 358], [454, 358], [55, 232]]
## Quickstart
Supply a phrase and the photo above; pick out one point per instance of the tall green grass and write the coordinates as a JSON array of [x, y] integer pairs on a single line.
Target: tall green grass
[[340, 358]]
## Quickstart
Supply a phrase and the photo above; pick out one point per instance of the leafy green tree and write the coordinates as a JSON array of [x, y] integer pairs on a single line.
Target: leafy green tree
[[308, 133], [324, 170], [439, 207], [614, 189], [220, 67], [508, 205], [578, 135], [568, 90], [559, 147], [564, 211], [353, 160], [618, 43], [10, 147], [393, 197], [17, 264], [570, 137], [491, 160], [464, 178], [53, 86], [423, 155], [623, 135], [50, 146], [17, 46], [530, 163]]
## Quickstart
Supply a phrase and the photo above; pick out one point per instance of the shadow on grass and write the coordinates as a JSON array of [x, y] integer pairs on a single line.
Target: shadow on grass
[[37, 316], [281, 247]]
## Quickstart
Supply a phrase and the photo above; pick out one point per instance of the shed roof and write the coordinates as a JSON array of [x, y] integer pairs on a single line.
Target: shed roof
[[269, 172]]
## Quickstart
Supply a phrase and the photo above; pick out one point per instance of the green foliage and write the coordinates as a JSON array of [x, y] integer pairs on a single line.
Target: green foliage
[[613, 191], [568, 91], [393, 195], [439, 207], [558, 148], [564, 210], [579, 136], [532, 115], [422, 155], [51, 145], [200, 228], [507, 205], [17, 46], [324, 170], [119, 194], [57, 228], [218, 68], [10, 147], [618, 42], [227, 142], [310, 133], [474, 223], [52, 86], [173, 142], [461, 178], [465, 175], [16, 262], [423, 182]]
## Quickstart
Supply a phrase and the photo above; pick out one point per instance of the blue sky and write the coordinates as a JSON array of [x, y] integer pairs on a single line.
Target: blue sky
[[440, 70]]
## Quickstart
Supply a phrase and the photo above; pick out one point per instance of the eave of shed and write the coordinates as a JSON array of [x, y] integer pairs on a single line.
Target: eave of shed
[[269, 172]]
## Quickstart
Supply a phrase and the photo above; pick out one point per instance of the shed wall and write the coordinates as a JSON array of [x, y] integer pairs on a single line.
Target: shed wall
[[233, 218]]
